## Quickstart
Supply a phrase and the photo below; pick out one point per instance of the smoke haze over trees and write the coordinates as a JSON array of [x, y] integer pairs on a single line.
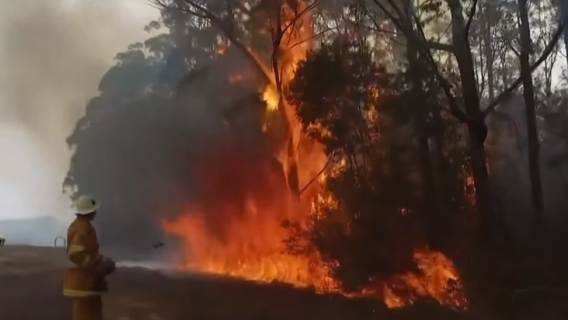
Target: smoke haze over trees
[[143, 139], [52, 53]]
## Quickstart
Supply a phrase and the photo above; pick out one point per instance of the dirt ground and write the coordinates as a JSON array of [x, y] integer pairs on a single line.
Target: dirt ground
[[30, 289]]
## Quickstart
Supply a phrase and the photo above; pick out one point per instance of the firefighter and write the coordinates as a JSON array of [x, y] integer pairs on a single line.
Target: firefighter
[[84, 282]]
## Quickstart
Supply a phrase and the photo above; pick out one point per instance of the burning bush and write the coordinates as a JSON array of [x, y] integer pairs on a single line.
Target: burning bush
[[374, 225], [352, 115]]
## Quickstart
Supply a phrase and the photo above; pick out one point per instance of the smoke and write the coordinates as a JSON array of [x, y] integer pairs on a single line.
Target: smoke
[[507, 148], [147, 139], [52, 53]]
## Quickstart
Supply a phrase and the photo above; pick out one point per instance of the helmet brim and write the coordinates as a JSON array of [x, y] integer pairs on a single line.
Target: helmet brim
[[89, 210]]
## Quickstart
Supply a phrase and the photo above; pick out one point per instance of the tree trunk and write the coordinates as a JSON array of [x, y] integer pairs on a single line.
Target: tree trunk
[[564, 8], [488, 47], [476, 125], [532, 130], [431, 199]]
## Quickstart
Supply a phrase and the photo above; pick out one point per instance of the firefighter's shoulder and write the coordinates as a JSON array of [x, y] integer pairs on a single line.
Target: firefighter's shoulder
[[81, 226]]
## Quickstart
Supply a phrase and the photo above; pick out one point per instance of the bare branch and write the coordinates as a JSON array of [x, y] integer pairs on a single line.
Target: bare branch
[[314, 178], [203, 12], [515, 51], [381, 30], [444, 83], [395, 7], [419, 39], [545, 54], [390, 15], [315, 36], [472, 12], [378, 28], [441, 46], [299, 15], [156, 4]]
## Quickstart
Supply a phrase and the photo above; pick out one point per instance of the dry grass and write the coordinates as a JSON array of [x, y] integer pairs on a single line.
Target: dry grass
[[30, 289]]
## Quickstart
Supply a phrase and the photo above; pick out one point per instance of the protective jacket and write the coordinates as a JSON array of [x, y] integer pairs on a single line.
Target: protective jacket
[[84, 279]]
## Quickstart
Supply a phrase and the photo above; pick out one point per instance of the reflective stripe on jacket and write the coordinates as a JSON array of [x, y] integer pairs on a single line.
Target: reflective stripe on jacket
[[83, 279]]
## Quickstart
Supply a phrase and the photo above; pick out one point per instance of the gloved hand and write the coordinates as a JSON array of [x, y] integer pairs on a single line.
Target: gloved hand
[[106, 266]]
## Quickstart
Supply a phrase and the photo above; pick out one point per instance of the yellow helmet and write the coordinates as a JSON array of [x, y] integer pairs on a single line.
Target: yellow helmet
[[85, 205]]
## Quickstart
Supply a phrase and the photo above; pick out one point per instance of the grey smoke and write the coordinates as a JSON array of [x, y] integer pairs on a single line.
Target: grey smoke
[[138, 148], [507, 148], [53, 53]]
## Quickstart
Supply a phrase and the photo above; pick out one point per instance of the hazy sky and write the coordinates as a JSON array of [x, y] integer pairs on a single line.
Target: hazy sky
[[52, 56]]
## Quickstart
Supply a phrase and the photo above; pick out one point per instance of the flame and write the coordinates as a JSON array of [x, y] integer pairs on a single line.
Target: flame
[[249, 242], [221, 49], [271, 97], [437, 278], [255, 252], [236, 78]]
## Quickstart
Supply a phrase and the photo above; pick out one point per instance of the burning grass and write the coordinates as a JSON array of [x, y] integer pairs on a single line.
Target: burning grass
[[254, 251]]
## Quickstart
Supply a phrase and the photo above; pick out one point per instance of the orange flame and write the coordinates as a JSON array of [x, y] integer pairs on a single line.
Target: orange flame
[[271, 97], [437, 278], [254, 252]]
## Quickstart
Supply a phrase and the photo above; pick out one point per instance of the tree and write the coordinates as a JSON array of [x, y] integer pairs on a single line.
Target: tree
[[564, 8], [530, 107], [245, 25], [405, 17], [363, 115], [158, 113]]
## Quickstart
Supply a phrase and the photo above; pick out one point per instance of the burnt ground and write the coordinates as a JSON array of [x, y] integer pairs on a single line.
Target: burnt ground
[[30, 289]]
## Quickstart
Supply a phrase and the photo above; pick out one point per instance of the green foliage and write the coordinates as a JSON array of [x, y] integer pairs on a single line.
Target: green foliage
[[338, 92], [360, 114]]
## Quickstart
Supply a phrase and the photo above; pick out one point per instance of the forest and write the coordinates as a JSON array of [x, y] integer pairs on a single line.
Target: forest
[[405, 150]]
